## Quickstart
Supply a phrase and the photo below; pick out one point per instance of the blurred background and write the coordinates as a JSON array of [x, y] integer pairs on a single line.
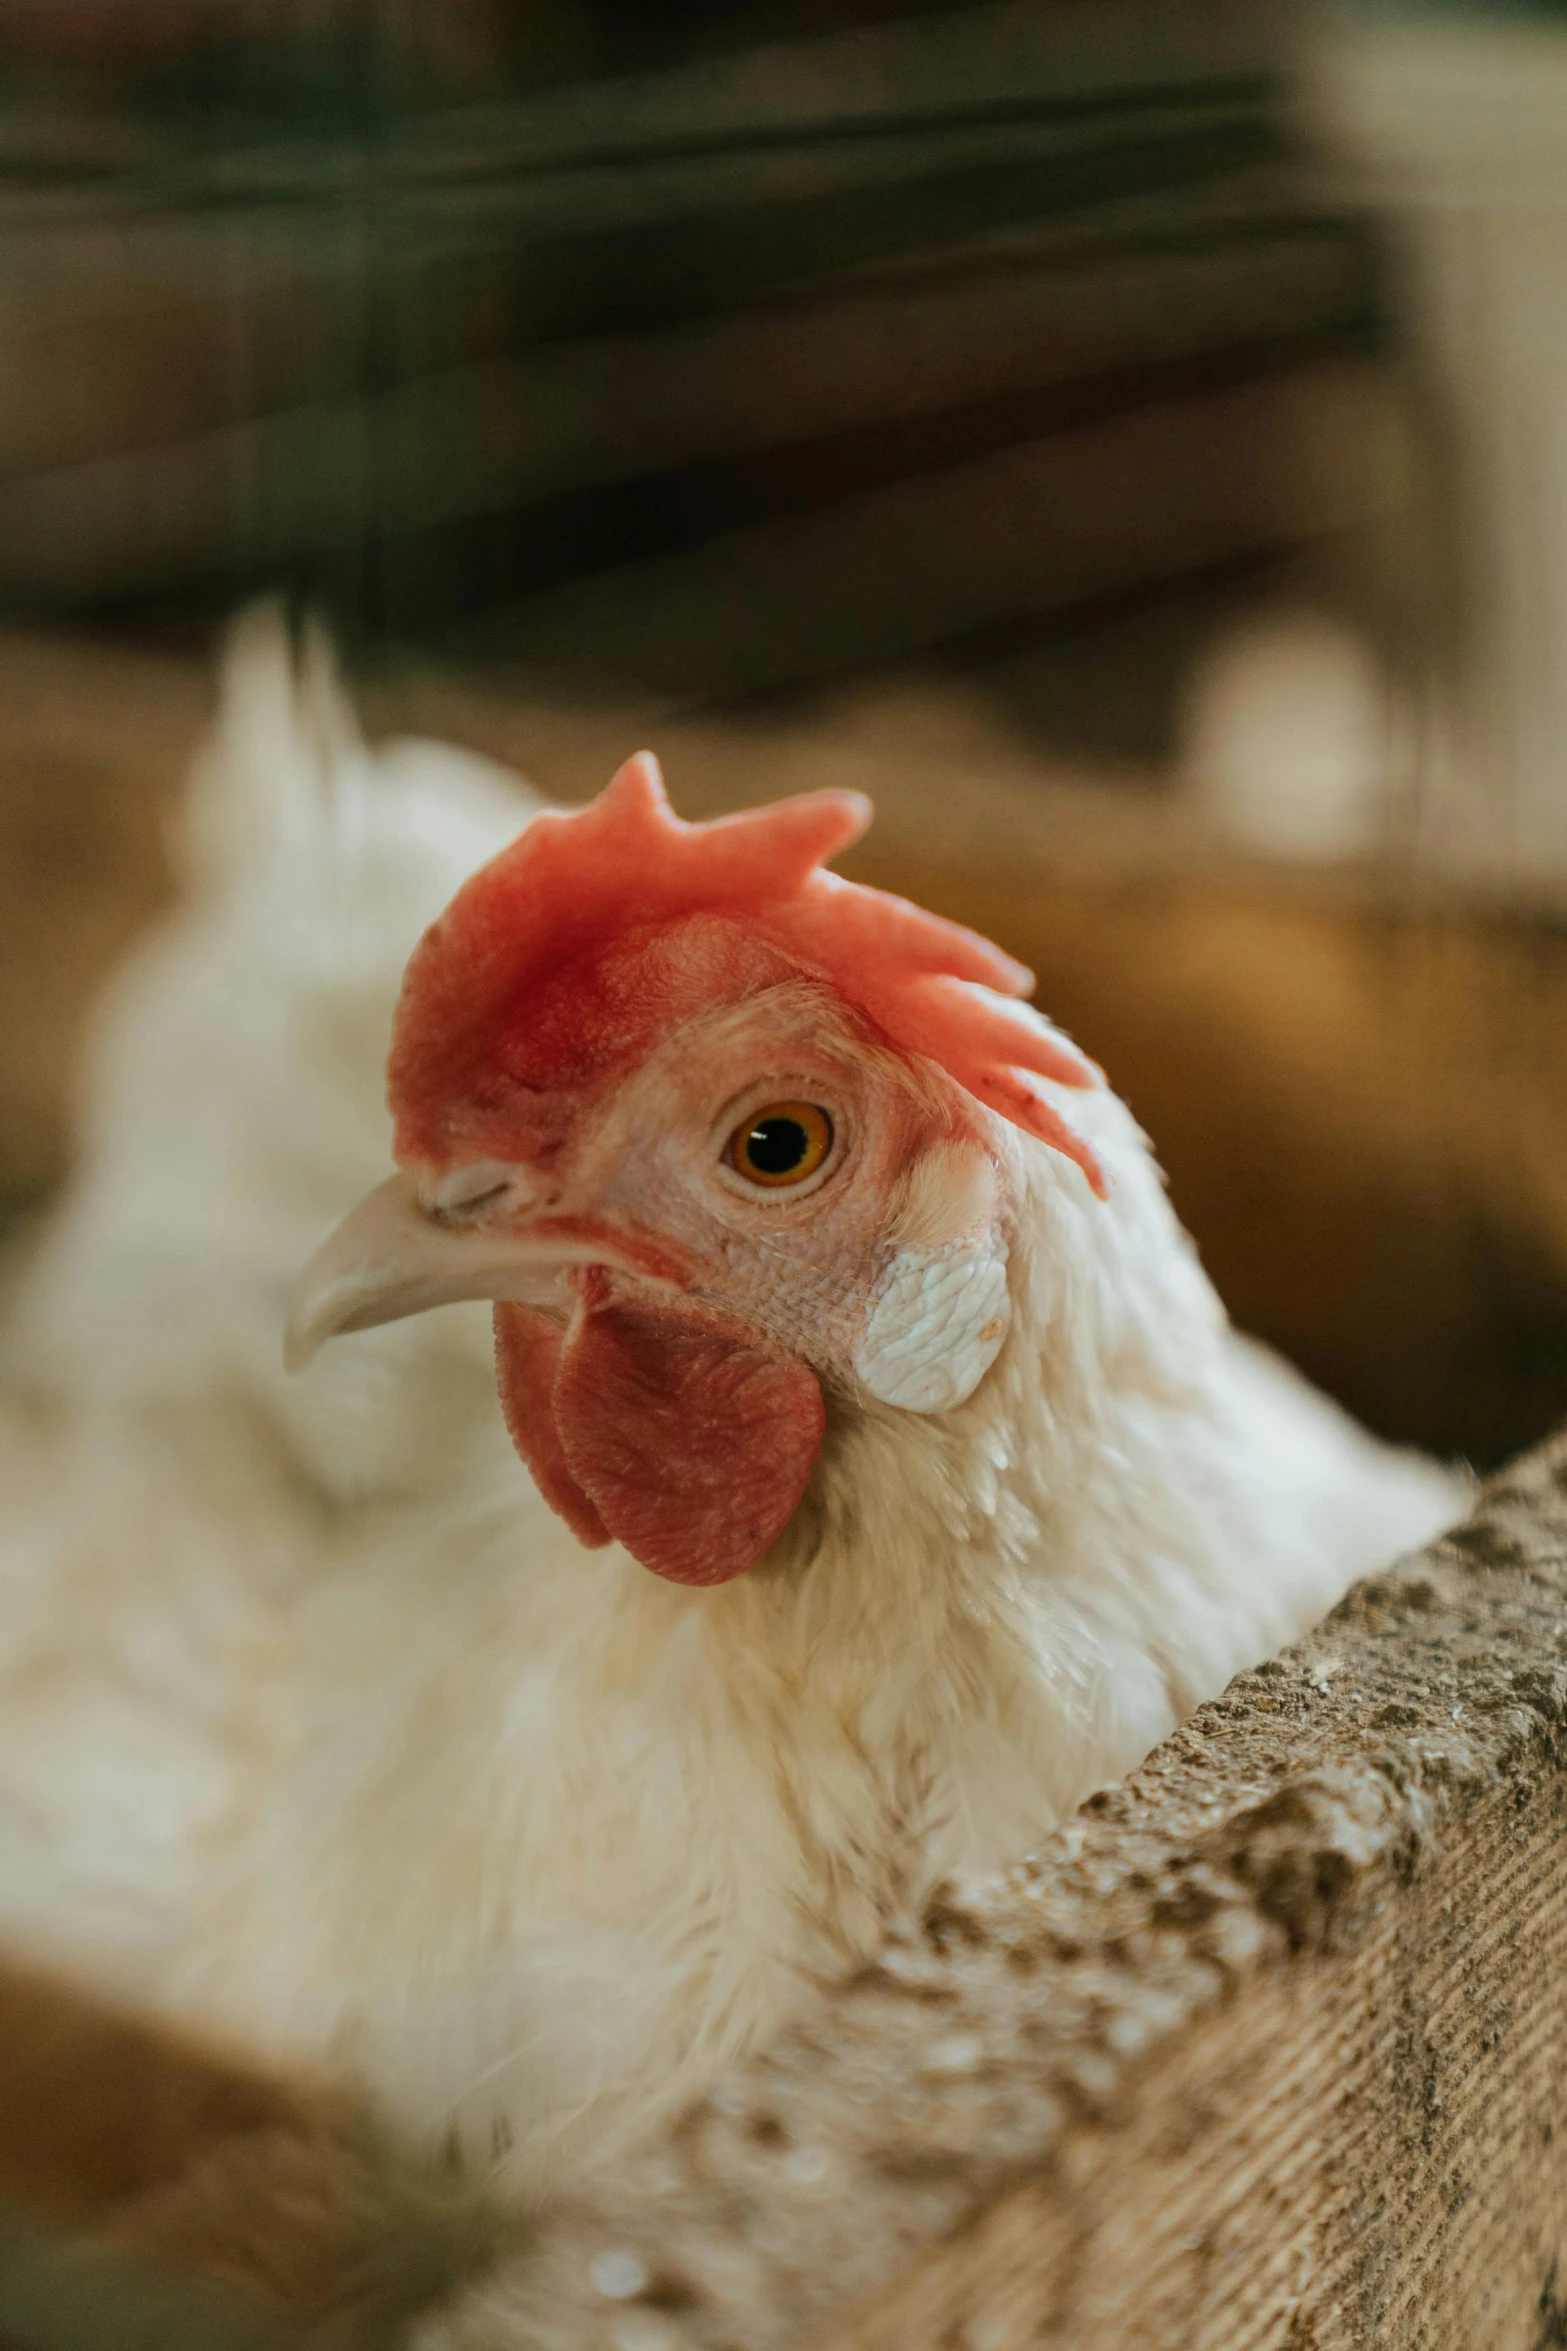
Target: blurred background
[[1126, 436]]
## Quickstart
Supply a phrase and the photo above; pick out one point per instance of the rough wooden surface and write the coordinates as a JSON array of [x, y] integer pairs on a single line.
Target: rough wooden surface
[[1263, 2053]]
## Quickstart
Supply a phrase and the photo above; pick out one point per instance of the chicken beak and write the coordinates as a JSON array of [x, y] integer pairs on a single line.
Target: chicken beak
[[390, 1258]]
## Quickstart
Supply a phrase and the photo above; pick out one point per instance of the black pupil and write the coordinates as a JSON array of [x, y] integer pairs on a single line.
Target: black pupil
[[774, 1146]]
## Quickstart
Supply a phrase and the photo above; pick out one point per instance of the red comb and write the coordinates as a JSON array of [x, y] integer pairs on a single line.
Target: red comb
[[574, 879]]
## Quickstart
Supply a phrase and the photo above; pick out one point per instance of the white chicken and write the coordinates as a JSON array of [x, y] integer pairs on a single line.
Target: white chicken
[[831, 1287]]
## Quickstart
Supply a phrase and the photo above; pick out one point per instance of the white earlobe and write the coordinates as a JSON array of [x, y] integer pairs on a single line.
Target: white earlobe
[[938, 1322]]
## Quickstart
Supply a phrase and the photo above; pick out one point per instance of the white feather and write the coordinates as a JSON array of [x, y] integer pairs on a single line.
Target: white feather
[[937, 1325], [320, 1730]]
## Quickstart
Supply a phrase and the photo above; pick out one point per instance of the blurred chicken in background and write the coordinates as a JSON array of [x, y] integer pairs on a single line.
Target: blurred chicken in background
[[158, 1461]]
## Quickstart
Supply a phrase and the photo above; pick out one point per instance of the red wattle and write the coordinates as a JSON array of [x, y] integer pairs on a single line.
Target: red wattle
[[661, 1425], [527, 1354]]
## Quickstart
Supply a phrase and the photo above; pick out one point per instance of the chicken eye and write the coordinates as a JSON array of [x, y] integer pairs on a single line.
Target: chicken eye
[[780, 1145]]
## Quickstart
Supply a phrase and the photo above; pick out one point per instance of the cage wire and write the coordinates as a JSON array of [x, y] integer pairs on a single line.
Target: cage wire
[[547, 375]]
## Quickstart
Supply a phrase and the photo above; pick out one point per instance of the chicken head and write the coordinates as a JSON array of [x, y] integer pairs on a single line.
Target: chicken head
[[713, 1129]]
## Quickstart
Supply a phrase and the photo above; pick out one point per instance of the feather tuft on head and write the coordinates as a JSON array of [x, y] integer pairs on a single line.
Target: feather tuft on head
[[578, 881]]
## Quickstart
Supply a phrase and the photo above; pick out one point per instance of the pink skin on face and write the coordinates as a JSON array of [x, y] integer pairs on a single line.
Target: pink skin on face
[[681, 1414]]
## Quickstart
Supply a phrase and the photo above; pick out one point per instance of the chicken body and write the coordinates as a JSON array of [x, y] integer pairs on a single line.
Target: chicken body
[[323, 1730]]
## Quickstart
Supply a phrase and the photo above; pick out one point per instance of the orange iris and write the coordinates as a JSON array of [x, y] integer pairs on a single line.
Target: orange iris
[[780, 1145]]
